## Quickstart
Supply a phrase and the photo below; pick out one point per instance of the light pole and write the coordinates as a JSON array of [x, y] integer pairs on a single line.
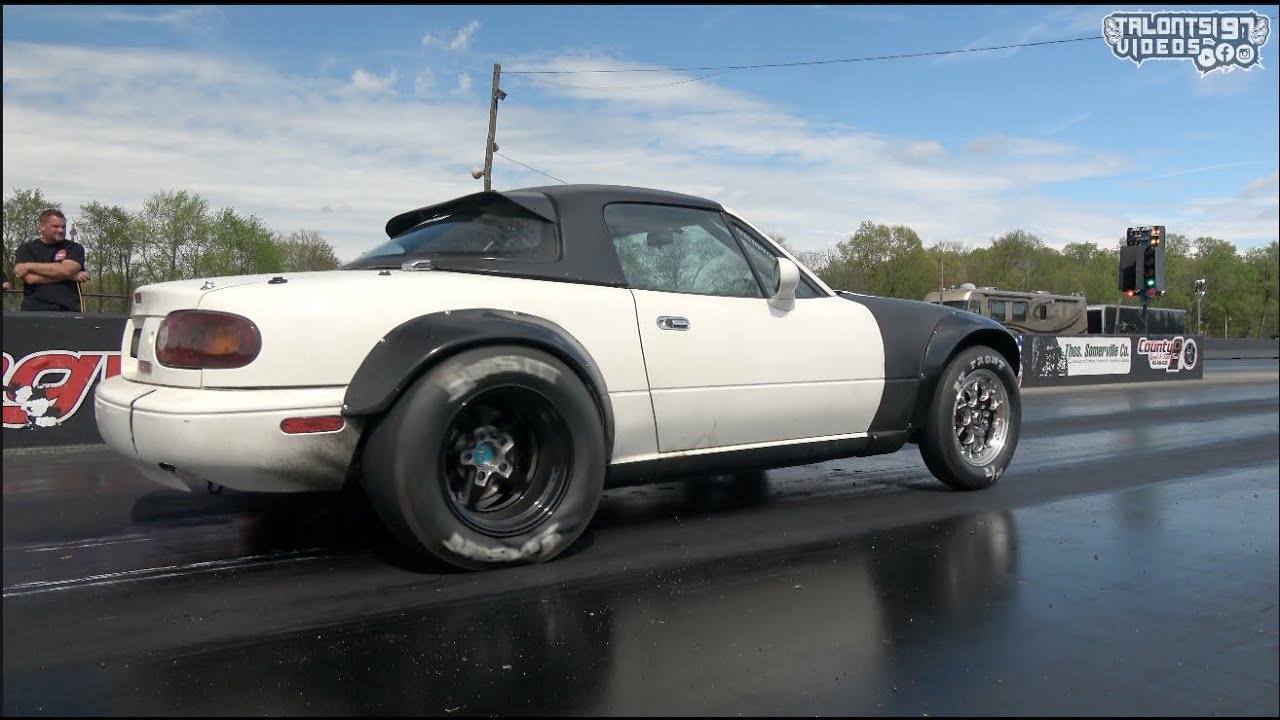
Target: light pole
[[1199, 284]]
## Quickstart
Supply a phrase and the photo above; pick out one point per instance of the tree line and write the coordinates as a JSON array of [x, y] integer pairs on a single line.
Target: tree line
[[177, 235], [1242, 298]]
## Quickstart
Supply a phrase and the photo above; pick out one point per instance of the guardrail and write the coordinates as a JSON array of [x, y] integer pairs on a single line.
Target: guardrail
[[54, 361]]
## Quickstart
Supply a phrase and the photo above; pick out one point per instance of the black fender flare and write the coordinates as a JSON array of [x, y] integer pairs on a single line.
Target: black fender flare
[[953, 333], [415, 346]]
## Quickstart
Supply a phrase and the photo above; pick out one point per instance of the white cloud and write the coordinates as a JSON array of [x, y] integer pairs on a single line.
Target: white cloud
[[460, 40], [364, 81], [1205, 168], [183, 17], [922, 152], [1059, 24], [1226, 83], [1265, 187], [661, 88], [1245, 220], [1062, 125], [464, 83], [999, 144], [308, 153], [990, 145], [425, 83], [463, 39], [860, 14]]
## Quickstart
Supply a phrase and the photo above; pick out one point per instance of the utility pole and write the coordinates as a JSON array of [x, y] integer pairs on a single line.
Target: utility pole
[[941, 262], [490, 146], [1199, 286]]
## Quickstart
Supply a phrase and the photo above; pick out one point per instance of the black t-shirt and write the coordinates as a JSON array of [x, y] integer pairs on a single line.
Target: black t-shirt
[[61, 295]]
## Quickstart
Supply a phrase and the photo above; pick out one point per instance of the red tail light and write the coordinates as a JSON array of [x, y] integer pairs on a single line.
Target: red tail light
[[200, 339], [325, 423]]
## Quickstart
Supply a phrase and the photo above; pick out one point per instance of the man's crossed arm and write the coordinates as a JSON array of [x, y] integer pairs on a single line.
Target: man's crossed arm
[[34, 273]]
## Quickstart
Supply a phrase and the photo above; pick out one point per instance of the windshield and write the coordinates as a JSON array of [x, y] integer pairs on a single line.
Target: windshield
[[490, 234], [969, 305]]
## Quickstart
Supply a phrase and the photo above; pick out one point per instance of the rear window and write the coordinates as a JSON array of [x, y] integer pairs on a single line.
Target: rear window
[[495, 233]]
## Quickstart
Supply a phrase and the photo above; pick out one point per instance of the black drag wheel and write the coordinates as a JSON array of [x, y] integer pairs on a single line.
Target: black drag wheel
[[974, 420], [495, 456]]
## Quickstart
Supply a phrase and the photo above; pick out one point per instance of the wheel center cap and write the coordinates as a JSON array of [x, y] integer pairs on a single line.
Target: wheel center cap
[[483, 454]]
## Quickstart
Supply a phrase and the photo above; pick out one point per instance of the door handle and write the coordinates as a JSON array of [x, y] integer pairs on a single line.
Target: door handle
[[668, 322]]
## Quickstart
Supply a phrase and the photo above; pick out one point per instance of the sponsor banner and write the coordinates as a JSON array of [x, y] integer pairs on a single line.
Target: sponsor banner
[[1170, 354], [1095, 356], [52, 364], [1049, 360]]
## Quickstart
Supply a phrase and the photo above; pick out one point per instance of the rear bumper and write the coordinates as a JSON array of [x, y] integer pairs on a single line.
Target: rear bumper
[[182, 437]]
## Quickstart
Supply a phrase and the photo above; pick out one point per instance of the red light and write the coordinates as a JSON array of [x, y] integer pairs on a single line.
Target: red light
[[1129, 293], [324, 423], [198, 339], [1151, 292]]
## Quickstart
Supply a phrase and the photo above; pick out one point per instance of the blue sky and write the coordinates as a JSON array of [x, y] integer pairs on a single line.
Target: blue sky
[[334, 119]]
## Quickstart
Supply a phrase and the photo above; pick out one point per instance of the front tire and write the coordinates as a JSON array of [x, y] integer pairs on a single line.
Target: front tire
[[494, 457], [974, 420]]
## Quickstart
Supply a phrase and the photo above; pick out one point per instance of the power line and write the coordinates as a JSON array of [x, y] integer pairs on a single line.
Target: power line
[[719, 70], [726, 68], [553, 177], [870, 58], [632, 87]]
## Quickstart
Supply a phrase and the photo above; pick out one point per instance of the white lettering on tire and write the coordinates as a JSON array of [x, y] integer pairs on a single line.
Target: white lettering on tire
[[463, 379], [541, 546]]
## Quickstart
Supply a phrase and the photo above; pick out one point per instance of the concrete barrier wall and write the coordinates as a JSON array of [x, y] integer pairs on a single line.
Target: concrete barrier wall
[[54, 361], [1242, 349]]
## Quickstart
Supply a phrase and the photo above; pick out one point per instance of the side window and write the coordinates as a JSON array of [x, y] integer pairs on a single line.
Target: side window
[[1042, 312], [975, 307], [761, 259], [675, 249], [1019, 310], [995, 308]]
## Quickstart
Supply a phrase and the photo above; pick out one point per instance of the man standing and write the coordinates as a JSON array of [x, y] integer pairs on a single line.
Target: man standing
[[51, 267]]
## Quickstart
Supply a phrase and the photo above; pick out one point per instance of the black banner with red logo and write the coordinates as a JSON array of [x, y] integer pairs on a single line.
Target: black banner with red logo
[[53, 361], [1055, 360]]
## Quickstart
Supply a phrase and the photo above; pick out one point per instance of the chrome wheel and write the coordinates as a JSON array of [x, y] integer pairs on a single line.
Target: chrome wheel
[[981, 417]]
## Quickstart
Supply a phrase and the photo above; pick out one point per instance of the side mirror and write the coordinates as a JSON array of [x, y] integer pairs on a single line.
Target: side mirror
[[786, 276]]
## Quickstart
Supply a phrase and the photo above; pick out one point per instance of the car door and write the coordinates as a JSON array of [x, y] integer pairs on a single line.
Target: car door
[[726, 368]]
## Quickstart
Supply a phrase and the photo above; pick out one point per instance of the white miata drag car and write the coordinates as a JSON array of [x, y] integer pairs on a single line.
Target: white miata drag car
[[506, 356]]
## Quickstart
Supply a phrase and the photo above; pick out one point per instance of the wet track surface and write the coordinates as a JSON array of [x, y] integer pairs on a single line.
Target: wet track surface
[[1126, 564]]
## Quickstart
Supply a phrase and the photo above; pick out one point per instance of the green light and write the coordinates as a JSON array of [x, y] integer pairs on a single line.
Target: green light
[[1150, 282]]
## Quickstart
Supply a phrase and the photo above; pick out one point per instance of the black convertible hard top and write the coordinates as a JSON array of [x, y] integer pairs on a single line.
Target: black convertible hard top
[[587, 254]]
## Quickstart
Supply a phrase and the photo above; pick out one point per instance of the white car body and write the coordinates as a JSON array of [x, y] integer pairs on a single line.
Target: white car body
[[684, 380], [705, 395]]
